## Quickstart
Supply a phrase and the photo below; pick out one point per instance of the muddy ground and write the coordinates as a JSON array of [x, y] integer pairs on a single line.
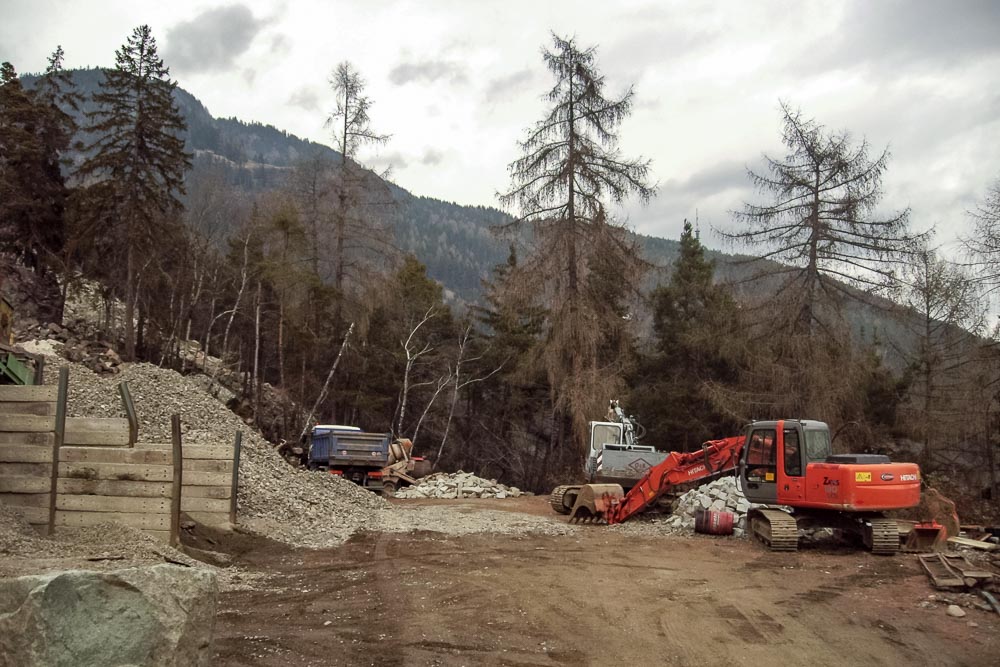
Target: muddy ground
[[597, 597]]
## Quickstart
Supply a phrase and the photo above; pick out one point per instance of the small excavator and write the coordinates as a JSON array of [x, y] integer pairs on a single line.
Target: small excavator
[[787, 471]]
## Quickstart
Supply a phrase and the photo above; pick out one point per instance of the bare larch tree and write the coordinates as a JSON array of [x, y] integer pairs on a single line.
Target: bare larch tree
[[569, 170]]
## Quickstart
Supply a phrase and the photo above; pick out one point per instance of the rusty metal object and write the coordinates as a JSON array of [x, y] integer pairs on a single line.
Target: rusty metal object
[[594, 501]]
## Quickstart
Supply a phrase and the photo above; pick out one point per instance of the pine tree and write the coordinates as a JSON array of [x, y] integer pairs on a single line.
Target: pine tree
[[138, 158], [820, 223], [570, 169], [697, 332], [35, 132]]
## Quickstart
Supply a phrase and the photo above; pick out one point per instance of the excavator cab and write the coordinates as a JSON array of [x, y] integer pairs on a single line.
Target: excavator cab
[[776, 456]]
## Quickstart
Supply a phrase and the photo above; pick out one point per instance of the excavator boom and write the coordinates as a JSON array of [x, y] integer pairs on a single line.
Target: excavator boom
[[610, 503]]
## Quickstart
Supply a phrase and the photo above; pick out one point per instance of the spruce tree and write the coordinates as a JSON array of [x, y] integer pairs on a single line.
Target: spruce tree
[[138, 158]]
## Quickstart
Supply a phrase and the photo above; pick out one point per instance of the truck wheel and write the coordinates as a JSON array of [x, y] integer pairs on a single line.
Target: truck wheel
[[388, 489]]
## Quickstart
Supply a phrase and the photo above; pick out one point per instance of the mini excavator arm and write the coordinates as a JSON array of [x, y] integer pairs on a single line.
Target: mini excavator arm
[[715, 456]]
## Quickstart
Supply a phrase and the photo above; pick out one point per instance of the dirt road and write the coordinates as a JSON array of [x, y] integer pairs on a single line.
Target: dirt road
[[594, 598]]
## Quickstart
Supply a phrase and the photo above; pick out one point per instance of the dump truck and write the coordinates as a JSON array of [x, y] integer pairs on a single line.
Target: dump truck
[[375, 461]]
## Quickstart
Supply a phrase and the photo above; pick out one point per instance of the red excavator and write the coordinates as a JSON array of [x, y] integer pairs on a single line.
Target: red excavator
[[787, 470]]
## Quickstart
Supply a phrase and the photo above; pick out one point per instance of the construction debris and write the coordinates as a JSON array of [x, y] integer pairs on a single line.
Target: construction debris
[[458, 485], [720, 495]]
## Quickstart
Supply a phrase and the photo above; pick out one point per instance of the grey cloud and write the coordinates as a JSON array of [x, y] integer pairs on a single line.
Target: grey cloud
[[432, 157], [280, 44], [213, 40], [500, 88], [901, 34], [717, 178], [305, 98], [394, 160], [428, 71]]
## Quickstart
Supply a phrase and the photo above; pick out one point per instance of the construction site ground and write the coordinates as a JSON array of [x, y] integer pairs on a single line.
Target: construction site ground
[[595, 597]]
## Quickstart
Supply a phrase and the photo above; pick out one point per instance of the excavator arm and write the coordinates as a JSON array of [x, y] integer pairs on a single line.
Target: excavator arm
[[715, 456]]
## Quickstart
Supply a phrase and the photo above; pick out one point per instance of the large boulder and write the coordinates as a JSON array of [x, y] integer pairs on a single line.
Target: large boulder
[[161, 615]]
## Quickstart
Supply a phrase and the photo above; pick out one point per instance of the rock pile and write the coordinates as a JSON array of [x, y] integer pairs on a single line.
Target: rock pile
[[720, 495], [458, 485], [296, 506], [78, 341]]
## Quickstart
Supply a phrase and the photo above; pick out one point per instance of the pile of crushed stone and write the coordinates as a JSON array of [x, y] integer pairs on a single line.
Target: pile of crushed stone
[[458, 485], [291, 505], [720, 495]]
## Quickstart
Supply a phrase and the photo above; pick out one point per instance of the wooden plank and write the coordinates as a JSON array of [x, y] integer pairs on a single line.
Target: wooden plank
[[136, 473], [211, 452], [25, 499], [218, 492], [25, 454], [99, 438], [208, 466], [32, 469], [110, 424], [71, 454], [189, 505], [135, 520], [975, 544], [26, 408], [26, 424], [114, 488], [195, 478], [210, 518], [31, 393], [27, 439], [34, 515], [24, 484], [112, 504]]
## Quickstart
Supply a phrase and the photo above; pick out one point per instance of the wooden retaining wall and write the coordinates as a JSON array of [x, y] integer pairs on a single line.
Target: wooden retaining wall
[[61, 471], [209, 480], [32, 423]]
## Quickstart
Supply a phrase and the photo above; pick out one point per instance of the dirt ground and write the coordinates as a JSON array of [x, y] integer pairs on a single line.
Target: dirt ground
[[593, 598]]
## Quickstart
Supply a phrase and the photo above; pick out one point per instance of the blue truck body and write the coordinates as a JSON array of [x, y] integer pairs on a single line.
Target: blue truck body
[[350, 453]]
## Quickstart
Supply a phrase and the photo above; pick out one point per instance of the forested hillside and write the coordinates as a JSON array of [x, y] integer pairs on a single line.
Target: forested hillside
[[332, 294]]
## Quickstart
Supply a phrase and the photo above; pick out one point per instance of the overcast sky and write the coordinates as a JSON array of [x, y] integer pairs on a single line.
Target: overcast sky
[[457, 83]]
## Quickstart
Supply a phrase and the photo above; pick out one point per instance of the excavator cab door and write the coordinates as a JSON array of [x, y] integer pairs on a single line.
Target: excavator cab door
[[759, 465]]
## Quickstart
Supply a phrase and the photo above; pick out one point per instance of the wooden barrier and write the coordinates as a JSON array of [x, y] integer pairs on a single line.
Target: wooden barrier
[[210, 478], [75, 471], [30, 429]]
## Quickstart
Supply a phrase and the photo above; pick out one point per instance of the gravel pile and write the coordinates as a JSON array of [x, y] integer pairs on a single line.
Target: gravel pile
[[292, 505], [458, 485]]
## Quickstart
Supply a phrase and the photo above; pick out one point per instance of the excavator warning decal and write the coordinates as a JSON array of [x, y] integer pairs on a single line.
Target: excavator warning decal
[[769, 477], [862, 477]]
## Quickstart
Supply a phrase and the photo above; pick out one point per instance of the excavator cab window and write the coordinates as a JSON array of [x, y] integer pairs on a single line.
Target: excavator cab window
[[761, 456], [817, 445], [793, 453]]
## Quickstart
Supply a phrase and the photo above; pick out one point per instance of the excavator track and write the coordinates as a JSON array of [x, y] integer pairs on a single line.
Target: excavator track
[[777, 529], [882, 537], [556, 499]]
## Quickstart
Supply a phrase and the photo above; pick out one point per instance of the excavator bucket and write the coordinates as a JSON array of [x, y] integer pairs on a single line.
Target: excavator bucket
[[926, 537], [593, 501]]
